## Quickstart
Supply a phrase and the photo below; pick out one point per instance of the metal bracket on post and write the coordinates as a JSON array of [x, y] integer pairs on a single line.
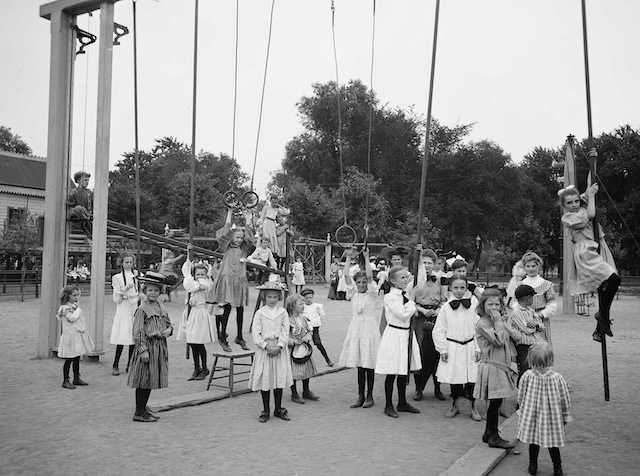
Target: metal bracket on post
[[119, 31], [85, 38]]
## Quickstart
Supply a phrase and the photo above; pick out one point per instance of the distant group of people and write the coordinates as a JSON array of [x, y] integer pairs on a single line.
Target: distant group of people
[[485, 345]]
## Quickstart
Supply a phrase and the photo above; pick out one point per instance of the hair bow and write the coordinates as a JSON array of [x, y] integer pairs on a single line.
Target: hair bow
[[567, 189]]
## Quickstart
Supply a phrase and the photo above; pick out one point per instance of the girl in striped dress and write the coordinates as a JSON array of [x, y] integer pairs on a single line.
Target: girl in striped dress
[[298, 334], [544, 302], [150, 361], [544, 407]]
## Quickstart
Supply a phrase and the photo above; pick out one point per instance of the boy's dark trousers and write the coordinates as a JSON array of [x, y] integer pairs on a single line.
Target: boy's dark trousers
[[523, 352], [429, 356]]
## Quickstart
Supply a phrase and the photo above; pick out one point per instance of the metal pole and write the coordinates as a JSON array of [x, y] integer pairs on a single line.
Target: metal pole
[[135, 128], [193, 130], [592, 171]]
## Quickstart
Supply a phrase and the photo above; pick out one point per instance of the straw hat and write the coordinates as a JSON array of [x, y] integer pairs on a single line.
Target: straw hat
[[301, 352]]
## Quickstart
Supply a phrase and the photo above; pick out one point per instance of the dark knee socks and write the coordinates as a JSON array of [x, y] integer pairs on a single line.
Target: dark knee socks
[[195, 353], [361, 381], [606, 292], [142, 397], [492, 415], [402, 389], [305, 385], [76, 367], [555, 458], [534, 450], [199, 352], [277, 395], [131, 349], [222, 321], [116, 360], [265, 400], [370, 374], [240, 320], [65, 368], [388, 390]]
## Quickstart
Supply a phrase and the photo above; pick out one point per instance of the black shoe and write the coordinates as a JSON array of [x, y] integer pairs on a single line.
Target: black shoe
[[486, 436], [496, 442], [438, 393], [149, 415], [67, 384], [296, 398], [78, 381], [359, 402], [597, 336], [368, 403], [282, 414], [195, 373], [390, 411], [148, 410], [418, 396], [406, 408], [225, 346], [533, 468], [242, 343], [203, 373], [144, 418], [557, 471], [264, 416], [605, 324], [308, 395]]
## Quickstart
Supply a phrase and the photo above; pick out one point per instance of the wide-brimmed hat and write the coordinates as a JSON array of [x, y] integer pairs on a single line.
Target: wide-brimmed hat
[[301, 352], [388, 251], [272, 286], [153, 277]]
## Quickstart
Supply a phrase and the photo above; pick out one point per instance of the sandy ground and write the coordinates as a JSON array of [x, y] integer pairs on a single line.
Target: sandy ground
[[45, 429]]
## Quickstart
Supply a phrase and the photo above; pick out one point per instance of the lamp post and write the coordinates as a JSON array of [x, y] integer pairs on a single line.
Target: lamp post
[[557, 167]]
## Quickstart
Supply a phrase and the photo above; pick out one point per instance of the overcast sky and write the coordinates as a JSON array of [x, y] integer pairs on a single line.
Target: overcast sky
[[513, 67]]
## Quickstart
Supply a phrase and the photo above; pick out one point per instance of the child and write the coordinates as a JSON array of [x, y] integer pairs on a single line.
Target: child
[[593, 267], [264, 256], [231, 288], [360, 348], [439, 269], [300, 334], [396, 258], [526, 326], [271, 369], [544, 301], [314, 313], [393, 354], [453, 337], [459, 268], [125, 295], [341, 286], [298, 274], [544, 407], [428, 298], [195, 325], [150, 361], [333, 285], [80, 203], [282, 231], [495, 379], [75, 340], [517, 275], [268, 216]]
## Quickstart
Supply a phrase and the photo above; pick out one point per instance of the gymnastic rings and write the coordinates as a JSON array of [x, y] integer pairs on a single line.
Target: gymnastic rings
[[233, 201], [346, 236]]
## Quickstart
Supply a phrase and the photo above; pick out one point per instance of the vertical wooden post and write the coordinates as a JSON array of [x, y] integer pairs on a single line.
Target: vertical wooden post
[[101, 187], [58, 148]]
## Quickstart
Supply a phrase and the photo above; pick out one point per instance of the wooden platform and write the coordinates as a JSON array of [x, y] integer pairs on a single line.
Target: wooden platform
[[212, 395]]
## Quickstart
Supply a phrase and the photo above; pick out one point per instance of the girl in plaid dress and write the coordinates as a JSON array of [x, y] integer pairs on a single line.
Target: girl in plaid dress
[[544, 407], [150, 360]]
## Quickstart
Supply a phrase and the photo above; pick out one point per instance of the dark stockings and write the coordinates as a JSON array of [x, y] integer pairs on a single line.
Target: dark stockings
[[606, 292], [534, 450], [67, 365], [460, 390], [265, 400], [402, 390], [277, 395], [366, 376], [223, 320], [142, 397], [119, 348], [318, 344], [492, 416], [199, 356]]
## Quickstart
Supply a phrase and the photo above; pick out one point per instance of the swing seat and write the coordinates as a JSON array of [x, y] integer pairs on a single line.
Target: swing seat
[[228, 371]]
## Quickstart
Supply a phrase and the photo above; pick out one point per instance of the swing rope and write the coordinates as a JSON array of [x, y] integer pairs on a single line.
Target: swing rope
[[264, 85], [136, 129], [235, 87], [338, 94], [86, 94], [373, 43]]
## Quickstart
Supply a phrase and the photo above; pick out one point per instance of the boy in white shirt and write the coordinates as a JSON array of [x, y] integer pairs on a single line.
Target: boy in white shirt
[[314, 313]]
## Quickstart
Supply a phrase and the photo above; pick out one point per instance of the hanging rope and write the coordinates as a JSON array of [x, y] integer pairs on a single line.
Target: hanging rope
[[235, 87], [344, 226], [373, 43], [264, 85], [135, 129], [86, 93]]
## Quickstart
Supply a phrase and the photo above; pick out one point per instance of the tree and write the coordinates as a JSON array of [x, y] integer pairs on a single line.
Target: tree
[[13, 143], [20, 235]]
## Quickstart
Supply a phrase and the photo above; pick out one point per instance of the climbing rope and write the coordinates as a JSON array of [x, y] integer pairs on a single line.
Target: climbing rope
[[345, 226], [366, 210], [235, 87]]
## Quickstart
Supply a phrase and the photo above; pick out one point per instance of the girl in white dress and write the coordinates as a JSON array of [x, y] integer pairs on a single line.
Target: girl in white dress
[[197, 326], [126, 296], [271, 369], [298, 275], [593, 265], [454, 338], [393, 353], [360, 348]]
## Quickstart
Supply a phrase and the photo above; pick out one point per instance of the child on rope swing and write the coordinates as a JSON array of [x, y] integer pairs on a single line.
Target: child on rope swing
[[593, 265], [231, 288], [196, 326]]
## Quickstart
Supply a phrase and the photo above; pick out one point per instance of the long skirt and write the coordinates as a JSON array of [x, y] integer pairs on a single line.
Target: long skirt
[[268, 372], [304, 371], [360, 348], [393, 353]]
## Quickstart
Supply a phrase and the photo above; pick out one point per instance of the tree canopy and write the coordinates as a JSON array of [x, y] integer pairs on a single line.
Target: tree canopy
[[12, 142]]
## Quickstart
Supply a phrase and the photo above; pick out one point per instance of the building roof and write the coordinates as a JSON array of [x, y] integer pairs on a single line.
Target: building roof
[[22, 171]]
